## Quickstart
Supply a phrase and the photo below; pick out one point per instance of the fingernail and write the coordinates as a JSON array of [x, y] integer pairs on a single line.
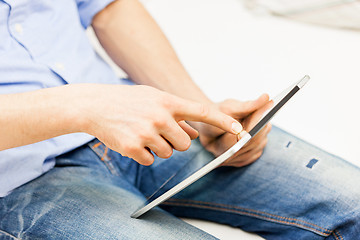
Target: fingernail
[[242, 134], [236, 127]]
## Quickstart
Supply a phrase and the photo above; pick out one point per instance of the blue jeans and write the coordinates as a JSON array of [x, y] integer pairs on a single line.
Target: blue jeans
[[294, 191]]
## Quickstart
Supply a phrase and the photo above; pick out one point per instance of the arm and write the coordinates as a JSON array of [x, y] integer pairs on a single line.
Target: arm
[[111, 113], [35, 116], [135, 42]]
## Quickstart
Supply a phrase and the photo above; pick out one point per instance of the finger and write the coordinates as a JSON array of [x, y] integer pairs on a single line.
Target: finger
[[220, 145], [160, 147], [254, 118], [194, 111], [257, 139], [189, 130], [211, 131], [142, 156], [239, 109], [176, 136], [251, 159], [244, 156]]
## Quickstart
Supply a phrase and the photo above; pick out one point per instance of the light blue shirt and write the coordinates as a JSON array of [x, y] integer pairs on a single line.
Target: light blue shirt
[[43, 44]]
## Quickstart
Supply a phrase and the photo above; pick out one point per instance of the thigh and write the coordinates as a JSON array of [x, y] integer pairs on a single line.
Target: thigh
[[294, 191], [82, 199]]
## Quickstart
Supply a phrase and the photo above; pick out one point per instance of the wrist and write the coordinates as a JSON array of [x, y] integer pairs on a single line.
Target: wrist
[[75, 110]]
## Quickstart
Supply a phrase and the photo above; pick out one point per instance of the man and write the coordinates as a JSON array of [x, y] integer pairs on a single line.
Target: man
[[74, 187]]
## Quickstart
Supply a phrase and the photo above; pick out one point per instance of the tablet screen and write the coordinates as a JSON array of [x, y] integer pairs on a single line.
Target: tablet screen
[[197, 167]]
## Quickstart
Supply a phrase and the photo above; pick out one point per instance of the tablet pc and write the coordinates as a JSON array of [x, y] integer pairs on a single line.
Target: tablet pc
[[279, 102]]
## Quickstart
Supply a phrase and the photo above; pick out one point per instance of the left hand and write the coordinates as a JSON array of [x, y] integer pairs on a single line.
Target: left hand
[[247, 113]]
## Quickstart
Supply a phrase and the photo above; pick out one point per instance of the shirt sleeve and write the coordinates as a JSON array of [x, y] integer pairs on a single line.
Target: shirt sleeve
[[89, 8]]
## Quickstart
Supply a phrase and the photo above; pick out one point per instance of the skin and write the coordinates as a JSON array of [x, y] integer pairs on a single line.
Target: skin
[[111, 113], [150, 117], [131, 37]]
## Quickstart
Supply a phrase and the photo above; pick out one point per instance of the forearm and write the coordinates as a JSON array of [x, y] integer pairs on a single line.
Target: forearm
[[135, 42], [35, 116], [111, 113]]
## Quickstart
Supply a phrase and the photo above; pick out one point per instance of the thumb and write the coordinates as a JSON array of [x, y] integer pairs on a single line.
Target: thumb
[[239, 109], [251, 106]]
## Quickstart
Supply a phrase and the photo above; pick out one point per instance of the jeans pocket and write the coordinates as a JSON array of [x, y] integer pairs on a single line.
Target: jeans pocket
[[102, 152]]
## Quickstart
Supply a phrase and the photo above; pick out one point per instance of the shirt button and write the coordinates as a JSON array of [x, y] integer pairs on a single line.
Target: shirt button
[[18, 28], [60, 66]]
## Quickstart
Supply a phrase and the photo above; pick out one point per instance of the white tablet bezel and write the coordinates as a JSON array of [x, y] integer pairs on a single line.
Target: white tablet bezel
[[284, 97]]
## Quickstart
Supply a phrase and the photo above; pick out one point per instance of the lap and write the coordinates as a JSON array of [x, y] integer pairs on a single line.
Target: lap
[[294, 191], [83, 200]]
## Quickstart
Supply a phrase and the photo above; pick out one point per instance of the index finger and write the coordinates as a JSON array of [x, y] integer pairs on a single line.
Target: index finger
[[199, 112]]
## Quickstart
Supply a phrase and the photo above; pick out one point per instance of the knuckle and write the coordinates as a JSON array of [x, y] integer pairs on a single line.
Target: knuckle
[[258, 154], [145, 134], [252, 159], [160, 123], [145, 137], [261, 142], [265, 143], [130, 150], [204, 110], [167, 100], [257, 141]]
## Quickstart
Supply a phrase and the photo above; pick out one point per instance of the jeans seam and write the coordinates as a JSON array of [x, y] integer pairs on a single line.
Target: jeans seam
[[105, 159], [250, 212], [8, 234], [337, 235]]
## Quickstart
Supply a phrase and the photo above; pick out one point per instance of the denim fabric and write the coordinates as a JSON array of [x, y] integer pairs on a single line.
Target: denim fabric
[[294, 191]]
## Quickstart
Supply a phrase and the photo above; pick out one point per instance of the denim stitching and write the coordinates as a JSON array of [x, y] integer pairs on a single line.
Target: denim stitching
[[338, 235], [341, 237], [9, 235], [96, 145], [104, 157], [99, 151], [256, 211], [105, 154], [249, 212]]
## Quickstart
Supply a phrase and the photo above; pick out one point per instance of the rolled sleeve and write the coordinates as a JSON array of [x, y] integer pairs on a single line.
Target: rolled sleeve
[[89, 8]]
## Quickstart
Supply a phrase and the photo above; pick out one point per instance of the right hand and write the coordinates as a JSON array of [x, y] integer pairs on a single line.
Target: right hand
[[248, 113], [133, 120]]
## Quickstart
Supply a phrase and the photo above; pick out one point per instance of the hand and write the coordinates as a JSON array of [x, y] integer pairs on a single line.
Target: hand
[[133, 120], [248, 113]]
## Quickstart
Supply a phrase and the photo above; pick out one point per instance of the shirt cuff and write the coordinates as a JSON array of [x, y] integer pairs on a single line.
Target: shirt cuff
[[88, 9]]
